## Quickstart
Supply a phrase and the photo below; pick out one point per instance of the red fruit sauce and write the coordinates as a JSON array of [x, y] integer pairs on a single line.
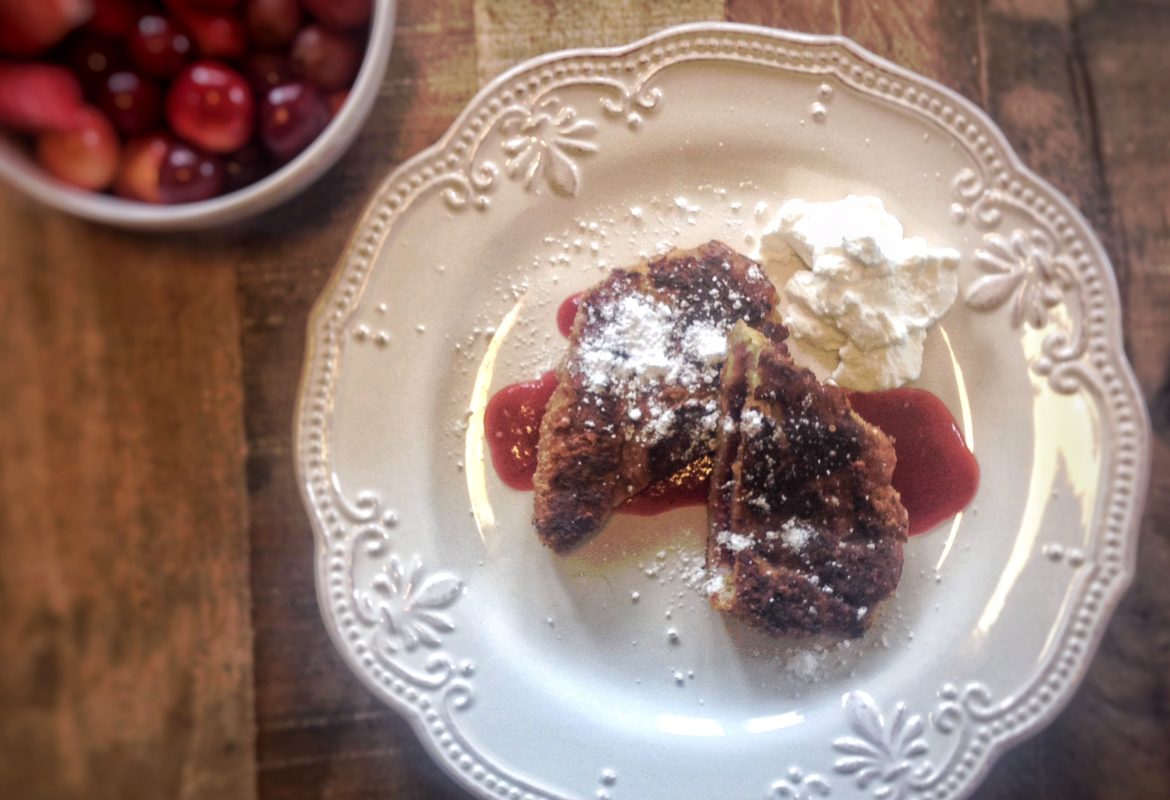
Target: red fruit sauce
[[936, 474], [511, 423], [687, 487], [568, 312]]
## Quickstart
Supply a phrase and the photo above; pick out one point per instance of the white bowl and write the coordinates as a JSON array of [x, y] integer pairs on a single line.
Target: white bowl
[[17, 169]]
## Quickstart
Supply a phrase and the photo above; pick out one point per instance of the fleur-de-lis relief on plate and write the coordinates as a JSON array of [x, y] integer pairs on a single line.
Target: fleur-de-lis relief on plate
[[884, 757], [543, 142], [796, 785], [409, 604], [1025, 267]]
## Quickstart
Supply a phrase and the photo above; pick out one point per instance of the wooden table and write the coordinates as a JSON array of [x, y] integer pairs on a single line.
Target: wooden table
[[159, 635]]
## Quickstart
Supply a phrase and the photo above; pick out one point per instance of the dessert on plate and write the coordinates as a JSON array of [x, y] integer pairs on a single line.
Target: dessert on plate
[[805, 528], [683, 357], [682, 361], [637, 391]]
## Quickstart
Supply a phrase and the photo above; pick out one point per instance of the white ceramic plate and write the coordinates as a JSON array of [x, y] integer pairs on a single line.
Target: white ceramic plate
[[529, 675]]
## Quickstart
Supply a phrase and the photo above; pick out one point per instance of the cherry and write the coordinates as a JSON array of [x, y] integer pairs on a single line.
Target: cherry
[[216, 35], [133, 104], [336, 101], [245, 166], [29, 27], [158, 46], [85, 156], [342, 14], [142, 162], [92, 57], [211, 106], [266, 69], [205, 5], [188, 176], [291, 116], [39, 97], [328, 59], [113, 17], [272, 22]]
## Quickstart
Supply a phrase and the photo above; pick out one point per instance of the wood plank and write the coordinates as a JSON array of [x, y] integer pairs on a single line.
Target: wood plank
[[1038, 97], [806, 17], [507, 33], [320, 732], [1075, 97], [937, 38], [1112, 741], [126, 629], [1124, 47]]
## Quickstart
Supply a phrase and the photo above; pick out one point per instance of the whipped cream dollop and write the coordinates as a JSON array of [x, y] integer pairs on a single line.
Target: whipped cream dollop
[[860, 287]]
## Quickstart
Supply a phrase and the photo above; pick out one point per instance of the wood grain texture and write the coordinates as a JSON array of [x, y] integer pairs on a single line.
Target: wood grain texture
[[937, 38], [1114, 738], [806, 17], [125, 631], [509, 32]]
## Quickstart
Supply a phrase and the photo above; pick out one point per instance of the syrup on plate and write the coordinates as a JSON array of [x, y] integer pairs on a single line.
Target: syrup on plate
[[936, 473], [567, 312]]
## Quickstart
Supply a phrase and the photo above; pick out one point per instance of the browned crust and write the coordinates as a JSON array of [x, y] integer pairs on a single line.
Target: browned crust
[[590, 459], [807, 457]]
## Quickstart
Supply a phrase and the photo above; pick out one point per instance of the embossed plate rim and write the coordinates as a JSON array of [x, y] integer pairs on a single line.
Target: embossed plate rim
[[1101, 338]]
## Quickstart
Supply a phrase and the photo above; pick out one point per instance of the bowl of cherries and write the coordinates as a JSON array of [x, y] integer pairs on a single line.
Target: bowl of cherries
[[172, 114]]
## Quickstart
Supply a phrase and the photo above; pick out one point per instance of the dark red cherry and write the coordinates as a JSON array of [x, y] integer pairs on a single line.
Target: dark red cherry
[[325, 58], [216, 35], [211, 106], [272, 23], [113, 17], [132, 103], [188, 175], [340, 14], [291, 116], [158, 46], [336, 101], [180, 6], [265, 69], [245, 166], [92, 57], [30, 27]]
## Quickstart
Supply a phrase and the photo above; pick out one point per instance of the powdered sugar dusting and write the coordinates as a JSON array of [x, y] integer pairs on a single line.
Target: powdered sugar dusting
[[706, 343], [751, 422], [796, 535], [634, 345], [714, 585], [735, 542], [630, 349], [804, 665]]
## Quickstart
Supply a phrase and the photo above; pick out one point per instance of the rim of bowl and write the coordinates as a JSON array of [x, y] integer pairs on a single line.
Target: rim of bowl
[[19, 171]]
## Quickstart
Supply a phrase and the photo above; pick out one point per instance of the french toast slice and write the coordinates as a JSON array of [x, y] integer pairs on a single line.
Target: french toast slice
[[806, 530], [637, 392]]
